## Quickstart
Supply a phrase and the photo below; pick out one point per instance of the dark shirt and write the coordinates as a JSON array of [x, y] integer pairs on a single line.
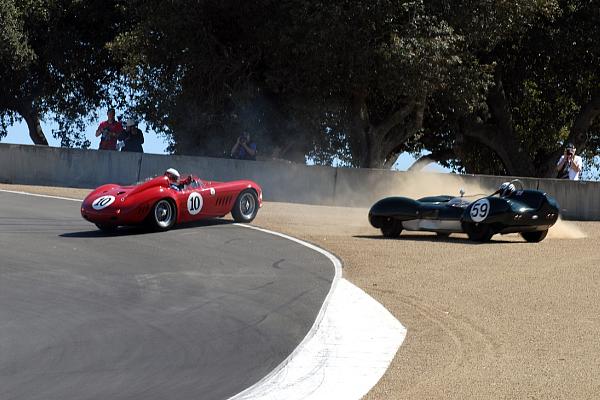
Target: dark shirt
[[242, 154], [133, 139]]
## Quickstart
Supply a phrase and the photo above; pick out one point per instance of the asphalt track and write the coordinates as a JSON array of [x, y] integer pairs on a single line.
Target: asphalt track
[[202, 311]]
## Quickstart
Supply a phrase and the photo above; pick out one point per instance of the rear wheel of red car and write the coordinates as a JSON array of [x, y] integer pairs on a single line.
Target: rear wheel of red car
[[163, 215], [107, 228], [391, 228], [534, 237], [245, 207], [478, 232]]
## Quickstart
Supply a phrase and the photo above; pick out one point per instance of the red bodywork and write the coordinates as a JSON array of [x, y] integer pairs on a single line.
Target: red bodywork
[[116, 205]]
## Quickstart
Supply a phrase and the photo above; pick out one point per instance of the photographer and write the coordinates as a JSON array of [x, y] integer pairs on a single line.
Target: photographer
[[569, 166], [110, 130], [132, 137], [244, 149]]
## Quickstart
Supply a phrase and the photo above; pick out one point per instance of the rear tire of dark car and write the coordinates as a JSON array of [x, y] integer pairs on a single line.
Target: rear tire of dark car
[[163, 215], [391, 228], [245, 207], [534, 237], [107, 228], [478, 232]]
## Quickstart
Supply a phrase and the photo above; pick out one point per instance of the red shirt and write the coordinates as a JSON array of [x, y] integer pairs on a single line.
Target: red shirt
[[109, 142]]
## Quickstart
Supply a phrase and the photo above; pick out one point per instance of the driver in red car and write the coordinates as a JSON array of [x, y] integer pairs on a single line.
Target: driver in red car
[[175, 179]]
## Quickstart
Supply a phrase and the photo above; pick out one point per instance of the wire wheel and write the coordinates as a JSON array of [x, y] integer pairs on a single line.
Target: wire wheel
[[164, 214], [245, 207]]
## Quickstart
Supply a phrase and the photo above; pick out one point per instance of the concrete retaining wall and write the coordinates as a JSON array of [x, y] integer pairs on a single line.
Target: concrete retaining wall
[[281, 181]]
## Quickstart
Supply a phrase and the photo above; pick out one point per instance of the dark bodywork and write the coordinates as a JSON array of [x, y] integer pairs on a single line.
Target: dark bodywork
[[521, 212]]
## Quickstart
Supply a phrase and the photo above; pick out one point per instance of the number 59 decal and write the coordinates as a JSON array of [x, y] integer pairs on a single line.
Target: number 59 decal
[[480, 210]]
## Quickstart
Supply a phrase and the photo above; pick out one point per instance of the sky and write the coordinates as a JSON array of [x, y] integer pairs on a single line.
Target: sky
[[19, 134]]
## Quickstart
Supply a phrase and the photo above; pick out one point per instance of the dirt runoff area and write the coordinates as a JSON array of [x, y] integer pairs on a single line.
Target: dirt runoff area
[[502, 320]]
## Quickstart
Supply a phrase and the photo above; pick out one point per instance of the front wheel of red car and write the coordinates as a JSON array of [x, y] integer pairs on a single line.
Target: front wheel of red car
[[245, 207], [163, 215]]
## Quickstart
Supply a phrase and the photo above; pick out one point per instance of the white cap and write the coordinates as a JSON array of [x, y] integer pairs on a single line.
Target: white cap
[[130, 122]]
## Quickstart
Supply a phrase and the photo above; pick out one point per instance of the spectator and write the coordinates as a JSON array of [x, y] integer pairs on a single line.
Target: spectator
[[110, 130], [569, 166], [244, 149], [132, 137]]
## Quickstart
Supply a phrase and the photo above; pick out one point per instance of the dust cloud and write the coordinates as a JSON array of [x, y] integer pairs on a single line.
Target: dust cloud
[[424, 184], [413, 185], [565, 230]]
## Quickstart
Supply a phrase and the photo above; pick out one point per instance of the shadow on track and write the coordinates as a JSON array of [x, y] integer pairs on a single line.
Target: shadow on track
[[142, 230], [435, 239]]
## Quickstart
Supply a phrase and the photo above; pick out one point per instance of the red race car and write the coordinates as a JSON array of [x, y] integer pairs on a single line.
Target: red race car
[[166, 200]]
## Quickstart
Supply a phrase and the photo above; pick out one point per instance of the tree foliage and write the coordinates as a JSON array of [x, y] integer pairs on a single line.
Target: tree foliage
[[485, 86], [544, 93], [55, 63]]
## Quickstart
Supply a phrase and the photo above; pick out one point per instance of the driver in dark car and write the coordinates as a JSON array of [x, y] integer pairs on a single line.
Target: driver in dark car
[[506, 189]]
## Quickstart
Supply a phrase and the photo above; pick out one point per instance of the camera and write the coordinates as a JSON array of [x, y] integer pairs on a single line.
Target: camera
[[570, 153], [242, 139]]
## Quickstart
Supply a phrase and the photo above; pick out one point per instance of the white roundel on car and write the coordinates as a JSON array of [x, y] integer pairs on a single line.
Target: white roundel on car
[[194, 203], [103, 202], [480, 210]]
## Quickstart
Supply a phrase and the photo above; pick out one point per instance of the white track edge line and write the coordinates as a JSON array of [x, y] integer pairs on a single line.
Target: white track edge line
[[326, 378], [40, 195], [311, 333]]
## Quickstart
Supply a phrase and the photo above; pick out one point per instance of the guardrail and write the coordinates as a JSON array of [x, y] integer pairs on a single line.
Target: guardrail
[[281, 181]]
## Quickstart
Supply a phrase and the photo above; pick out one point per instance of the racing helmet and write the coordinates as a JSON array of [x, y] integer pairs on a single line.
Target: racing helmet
[[506, 189], [173, 175]]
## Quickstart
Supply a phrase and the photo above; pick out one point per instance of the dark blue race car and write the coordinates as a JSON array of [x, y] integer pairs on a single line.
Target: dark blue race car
[[508, 210]]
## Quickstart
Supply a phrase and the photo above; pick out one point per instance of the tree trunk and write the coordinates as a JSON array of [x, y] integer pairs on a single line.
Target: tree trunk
[[361, 130], [500, 136], [379, 146], [32, 119]]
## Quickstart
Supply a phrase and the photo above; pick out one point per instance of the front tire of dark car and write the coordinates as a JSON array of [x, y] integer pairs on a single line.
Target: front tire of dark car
[[245, 207], [535, 236], [391, 228], [163, 215], [478, 232]]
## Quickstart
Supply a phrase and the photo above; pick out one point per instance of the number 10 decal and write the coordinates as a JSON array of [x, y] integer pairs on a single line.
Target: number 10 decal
[[194, 203], [480, 210], [103, 202]]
